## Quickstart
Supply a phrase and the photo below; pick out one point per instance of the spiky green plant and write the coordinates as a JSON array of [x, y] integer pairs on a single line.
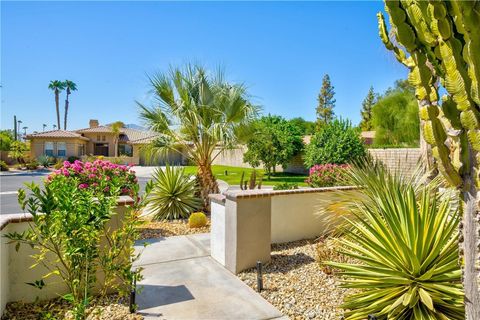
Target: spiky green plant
[[403, 239], [173, 195]]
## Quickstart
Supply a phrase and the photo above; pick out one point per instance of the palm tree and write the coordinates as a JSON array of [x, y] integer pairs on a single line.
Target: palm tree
[[24, 131], [70, 86], [197, 114], [57, 87], [44, 126], [116, 129], [54, 126]]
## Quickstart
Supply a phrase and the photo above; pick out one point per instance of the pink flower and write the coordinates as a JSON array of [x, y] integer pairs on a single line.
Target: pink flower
[[106, 189], [91, 176], [94, 184], [66, 164], [83, 186], [65, 172], [108, 178]]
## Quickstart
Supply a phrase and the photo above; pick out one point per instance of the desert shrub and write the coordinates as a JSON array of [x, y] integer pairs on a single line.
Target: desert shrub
[[73, 229], [72, 159], [174, 194], [336, 142], [197, 220], [100, 176], [327, 251], [285, 186], [46, 161], [327, 175], [17, 151], [3, 166], [405, 244], [32, 165]]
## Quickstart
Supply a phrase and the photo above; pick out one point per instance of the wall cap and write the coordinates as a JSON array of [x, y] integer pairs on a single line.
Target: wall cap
[[5, 219], [242, 194]]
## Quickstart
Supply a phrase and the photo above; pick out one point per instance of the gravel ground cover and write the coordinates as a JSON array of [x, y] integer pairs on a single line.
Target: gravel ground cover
[[156, 229], [109, 308], [297, 284]]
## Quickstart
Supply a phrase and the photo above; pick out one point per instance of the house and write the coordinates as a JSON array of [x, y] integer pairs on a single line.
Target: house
[[98, 140]]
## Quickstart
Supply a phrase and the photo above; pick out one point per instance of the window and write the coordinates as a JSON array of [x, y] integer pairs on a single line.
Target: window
[[81, 150], [103, 138], [61, 149], [125, 150], [98, 138], [49, 149]]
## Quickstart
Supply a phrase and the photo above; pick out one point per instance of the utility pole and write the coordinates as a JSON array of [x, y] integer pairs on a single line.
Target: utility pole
[[15, 127], [19, 122]]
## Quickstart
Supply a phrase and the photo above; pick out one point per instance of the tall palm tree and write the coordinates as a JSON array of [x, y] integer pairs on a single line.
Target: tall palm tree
[[116, 129], [198, 114], [44, 126], [70, 86], [57, 87]]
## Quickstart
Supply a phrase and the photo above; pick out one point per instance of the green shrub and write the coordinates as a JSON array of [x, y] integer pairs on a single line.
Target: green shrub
[[404, 242], [327, 175], [32, 165], [174, 194], [45, 161], [17, 151], [58, 164], [3, 166], [285, 186], [197, 220], [73, 229], [337, 142]]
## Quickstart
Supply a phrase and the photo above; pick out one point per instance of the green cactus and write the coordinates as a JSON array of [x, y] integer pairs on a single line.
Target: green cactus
[[439, 41], [251, 184]]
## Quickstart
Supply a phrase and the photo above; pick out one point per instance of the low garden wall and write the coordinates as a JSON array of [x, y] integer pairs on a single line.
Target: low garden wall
[[15, 271], [245, 223]]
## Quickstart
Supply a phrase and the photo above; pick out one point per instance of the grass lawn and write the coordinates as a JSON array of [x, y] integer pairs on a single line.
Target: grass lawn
[[235, 173]]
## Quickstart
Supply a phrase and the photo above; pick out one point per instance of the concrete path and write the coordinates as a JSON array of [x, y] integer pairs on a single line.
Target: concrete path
[[182, 281]]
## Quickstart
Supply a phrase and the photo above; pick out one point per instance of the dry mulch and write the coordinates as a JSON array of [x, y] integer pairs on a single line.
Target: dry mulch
[[157, 229], [108, 308], [297, 284]]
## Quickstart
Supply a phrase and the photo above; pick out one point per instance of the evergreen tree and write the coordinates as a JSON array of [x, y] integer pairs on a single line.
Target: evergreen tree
[[367, 105], [326, 102]]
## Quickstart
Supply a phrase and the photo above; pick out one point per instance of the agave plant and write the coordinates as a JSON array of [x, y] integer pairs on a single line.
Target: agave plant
[[404, 241], [173, 195]]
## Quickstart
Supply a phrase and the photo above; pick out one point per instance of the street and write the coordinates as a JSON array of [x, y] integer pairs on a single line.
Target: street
[[9, 185]]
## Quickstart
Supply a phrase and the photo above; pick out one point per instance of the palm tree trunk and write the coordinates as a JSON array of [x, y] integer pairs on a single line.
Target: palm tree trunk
[[66, 112], [57, 105], [207, 184]]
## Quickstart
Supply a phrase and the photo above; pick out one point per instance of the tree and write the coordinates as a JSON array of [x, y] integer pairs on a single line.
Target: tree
[[367, 105], [70, 86], [335, 143], [306, 127], [274, 142], [57, 87], [395, 119], [116, 129], [199, 114], [17, 151], [442, 47], [326, 102], [6, 139]]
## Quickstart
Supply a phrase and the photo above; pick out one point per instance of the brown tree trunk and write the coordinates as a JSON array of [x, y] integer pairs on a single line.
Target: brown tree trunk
[[207, 184], [66, 112], [57, 105], [470, 248]]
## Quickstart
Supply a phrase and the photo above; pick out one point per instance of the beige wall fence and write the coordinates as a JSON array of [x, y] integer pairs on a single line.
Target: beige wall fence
[[245, 223]]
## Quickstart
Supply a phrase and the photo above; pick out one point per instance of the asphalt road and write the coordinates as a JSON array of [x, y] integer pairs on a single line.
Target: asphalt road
[[9, 185]]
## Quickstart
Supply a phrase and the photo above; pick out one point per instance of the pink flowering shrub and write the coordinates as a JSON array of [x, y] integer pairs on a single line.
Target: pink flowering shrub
[[326, 175], [99, 176]]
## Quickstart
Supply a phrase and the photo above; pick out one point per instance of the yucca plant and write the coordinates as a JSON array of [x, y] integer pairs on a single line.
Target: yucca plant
[[403, 240], [174, 194]]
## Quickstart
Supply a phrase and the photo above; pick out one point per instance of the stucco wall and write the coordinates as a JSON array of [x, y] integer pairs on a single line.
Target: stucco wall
[[15, 268], [403, 161], [98, 138], [37, 146], [233, 157]]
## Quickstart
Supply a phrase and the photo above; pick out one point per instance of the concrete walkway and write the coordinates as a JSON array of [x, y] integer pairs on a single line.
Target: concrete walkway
[[182, 281]]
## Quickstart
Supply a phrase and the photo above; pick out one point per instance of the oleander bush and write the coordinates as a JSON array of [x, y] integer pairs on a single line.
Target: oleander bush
[[71, 223], [403, 238], [174, 194], [197, 220], [327, 175]]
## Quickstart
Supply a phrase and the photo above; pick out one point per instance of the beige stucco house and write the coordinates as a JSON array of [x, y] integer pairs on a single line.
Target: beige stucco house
[[97, 140]]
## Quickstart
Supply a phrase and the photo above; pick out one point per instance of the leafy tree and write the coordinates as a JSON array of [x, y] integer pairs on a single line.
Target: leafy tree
[[69, 86], [306, 127], [326, 102], [274, 142], [17, 151], [199, 114], [367, 105], [395, 119], [57, 86], [337, 143], [6, 139]]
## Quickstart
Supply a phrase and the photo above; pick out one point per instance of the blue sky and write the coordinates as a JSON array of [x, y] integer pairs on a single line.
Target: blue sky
[[280, 50]]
